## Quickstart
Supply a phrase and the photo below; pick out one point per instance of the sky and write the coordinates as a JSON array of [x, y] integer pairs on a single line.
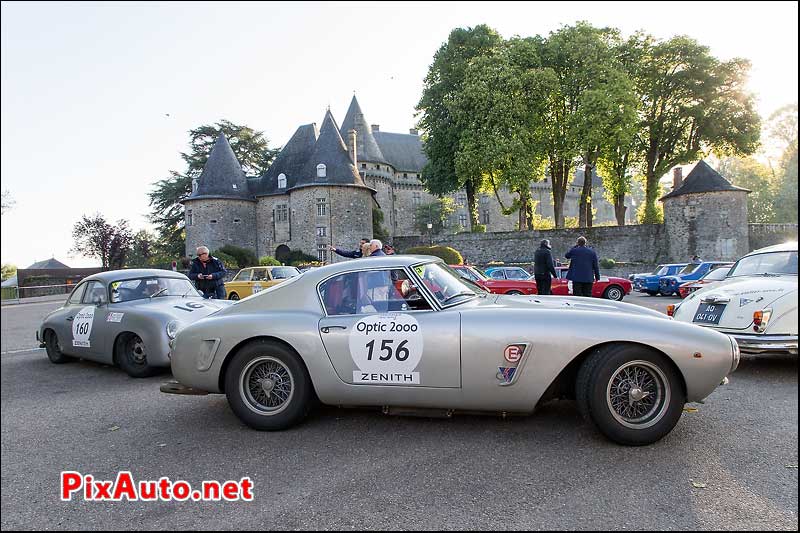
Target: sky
[[98, 98]]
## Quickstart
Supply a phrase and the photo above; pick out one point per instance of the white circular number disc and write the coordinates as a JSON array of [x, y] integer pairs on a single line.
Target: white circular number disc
[[390, 343]]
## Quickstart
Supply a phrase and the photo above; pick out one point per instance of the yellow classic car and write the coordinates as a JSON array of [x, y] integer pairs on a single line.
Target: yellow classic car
[[254, 279]]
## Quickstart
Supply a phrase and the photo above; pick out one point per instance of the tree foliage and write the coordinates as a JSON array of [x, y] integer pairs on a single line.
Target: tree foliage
[[755, 176], [435, 213], [94, 237], [8, 270], [252, 150]]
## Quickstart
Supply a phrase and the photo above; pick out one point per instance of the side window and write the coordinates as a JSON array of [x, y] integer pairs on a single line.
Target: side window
[[373, 291], [77, 294], [497, 274], [95, 293], [260, 274], [243, 275]]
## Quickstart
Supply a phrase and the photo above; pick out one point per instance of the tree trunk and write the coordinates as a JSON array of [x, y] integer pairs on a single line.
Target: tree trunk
[[585, 209], [471, 208], [620, 208], [524, 203]]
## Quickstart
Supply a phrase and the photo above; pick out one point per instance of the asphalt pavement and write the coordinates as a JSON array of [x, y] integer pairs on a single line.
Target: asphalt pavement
[[730, 463]]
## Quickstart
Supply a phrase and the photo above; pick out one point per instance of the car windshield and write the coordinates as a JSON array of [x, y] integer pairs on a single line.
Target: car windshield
[[445, 283], [767, 263], [284, 272], [660, 270], [717, 274], [688, 269], [150, 287], [471, 273]]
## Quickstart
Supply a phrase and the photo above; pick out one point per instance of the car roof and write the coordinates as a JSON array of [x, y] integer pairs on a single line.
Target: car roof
[[115, 275], [790, 246]]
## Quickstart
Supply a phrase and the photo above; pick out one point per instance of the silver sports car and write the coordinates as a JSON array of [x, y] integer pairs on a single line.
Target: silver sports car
[[124, 317], [406, 333]]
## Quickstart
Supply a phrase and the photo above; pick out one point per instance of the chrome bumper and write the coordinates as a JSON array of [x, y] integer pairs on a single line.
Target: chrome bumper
[[766, 343]]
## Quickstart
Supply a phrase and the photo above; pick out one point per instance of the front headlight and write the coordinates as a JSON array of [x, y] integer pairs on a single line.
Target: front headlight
[[172, 328]]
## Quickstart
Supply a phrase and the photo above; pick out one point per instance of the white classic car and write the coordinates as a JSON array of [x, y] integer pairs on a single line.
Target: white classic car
[[756, 304]]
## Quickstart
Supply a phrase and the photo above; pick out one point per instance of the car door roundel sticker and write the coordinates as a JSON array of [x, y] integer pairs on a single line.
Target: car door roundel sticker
[[82, 327], [386, 349]]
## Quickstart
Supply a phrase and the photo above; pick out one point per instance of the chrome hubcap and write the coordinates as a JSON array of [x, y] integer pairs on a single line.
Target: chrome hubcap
[[266, 385], [138, 352], [638, 394]]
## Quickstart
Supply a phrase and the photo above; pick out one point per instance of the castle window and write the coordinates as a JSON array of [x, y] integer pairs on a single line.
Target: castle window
[[213, 220], [237, 220], [363, 165], [281, 213], [322, 170], [281, 180], [321, 231], [322, 252], [461, 200], [235, 186], [485, 216], [189, 218], [415, 198], [322, 209], [194, 185], [484, 199], [378, 167], [405, 174], [462, 219]]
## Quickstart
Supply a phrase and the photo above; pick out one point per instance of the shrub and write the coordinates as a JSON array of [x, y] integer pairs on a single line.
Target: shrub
[[479, 228], [607, 263], [449, 255], [268, 260], [244, 256], [297, 256], [230, 262]]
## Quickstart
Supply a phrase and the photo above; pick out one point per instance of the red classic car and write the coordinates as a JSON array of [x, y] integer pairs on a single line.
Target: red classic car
[[611, 288], [496, 286]]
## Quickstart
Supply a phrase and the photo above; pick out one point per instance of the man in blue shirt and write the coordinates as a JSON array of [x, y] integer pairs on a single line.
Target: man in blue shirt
[[584, 268], [355, 254]]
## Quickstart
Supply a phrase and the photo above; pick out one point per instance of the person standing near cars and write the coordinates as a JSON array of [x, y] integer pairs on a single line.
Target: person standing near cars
[[208, 274], [584, 268], [543, 267], [355, 254]]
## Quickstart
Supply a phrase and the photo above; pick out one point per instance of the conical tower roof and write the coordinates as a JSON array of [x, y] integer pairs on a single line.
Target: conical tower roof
[[290, 161], [367, 148], [331, 151], [703, 178], [222, 174]]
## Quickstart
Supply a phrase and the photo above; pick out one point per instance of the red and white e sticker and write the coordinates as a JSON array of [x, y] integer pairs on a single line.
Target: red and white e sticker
[[513, 352]]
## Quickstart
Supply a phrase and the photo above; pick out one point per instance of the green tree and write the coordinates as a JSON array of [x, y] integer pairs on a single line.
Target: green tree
[[252, 150], [755, 176], [8, 271], [442, 131], [143, 249], [782, 130], [435, 213], [94, 237], [690, 103], [500, 109]]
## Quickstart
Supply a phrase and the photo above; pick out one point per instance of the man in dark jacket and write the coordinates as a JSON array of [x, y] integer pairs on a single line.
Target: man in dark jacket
[[543, 267], [208, 274], [355, 254], [584, 269]]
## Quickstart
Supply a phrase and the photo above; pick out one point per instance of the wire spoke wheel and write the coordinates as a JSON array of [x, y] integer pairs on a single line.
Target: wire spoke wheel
[[266, 385], [638, 394]]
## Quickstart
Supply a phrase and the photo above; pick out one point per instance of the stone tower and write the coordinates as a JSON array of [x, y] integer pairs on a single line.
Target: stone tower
[[705, 215], [220, 209]]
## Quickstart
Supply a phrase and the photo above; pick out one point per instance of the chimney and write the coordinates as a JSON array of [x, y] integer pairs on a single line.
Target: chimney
[[376, 127], [677, 178], [413, 131], [352, 135]]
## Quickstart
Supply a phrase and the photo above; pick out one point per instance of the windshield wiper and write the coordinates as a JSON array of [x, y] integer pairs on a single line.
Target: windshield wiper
[[157, 293], [462, 293]]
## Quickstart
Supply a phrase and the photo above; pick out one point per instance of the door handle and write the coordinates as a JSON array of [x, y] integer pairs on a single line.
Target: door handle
[[327, 329], [70, 318]]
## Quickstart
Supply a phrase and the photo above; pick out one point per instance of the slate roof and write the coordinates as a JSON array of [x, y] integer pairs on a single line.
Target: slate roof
[[222, 175], [49, 263], [402, 150], [703, 178], [290, 161], [330, 150], [367, 148]]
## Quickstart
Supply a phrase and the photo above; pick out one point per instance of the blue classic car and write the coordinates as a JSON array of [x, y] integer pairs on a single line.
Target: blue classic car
[[668, 285], [648, 282], [507, 273]]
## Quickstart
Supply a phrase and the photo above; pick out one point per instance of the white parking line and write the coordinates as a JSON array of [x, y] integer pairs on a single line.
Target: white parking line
[[20, 351]]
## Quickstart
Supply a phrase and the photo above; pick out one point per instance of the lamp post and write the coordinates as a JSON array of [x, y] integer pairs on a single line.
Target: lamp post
[[430, 234]]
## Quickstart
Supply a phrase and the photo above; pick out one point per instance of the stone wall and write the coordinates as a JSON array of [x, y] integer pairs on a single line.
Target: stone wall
[[762, 235], [712, 225], [216, 222], [630, 244]]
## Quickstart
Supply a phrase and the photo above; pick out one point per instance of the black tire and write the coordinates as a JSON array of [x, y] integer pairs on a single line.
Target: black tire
[[608, 369], [652, 293], [233, 296], [53, 348], [132, 357], [614, 292], [514, 293], [284, 396]]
